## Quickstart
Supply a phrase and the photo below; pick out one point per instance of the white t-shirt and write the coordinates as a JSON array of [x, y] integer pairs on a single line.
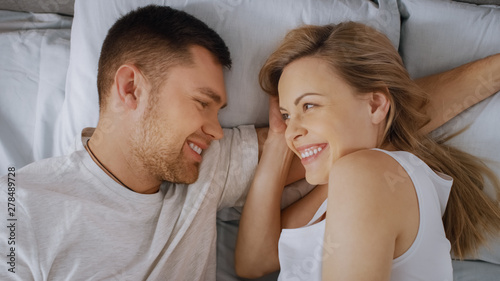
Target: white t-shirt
[[73, 222], [301, 249]]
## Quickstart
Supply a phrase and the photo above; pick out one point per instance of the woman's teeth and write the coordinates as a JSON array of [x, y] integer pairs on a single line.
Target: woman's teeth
[[195, 148], [310, 152]]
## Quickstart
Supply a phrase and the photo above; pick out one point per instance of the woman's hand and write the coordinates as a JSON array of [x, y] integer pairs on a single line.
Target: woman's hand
[[277, 128], [276, 123], [276, 133]]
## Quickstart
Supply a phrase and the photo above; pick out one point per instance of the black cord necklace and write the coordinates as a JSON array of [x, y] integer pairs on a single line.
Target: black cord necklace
[[87, 147]]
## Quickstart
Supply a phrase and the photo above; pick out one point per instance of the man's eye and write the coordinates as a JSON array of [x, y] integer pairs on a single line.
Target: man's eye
[[285, 116], [203, 104]]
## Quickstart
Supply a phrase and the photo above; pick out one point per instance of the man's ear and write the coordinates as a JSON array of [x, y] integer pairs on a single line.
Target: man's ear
[[129, 83], [379, 106]]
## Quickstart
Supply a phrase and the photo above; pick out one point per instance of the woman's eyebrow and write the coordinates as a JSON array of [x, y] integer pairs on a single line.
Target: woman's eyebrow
[[297, 100]]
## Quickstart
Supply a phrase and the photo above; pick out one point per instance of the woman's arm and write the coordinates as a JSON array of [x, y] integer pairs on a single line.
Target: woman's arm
[[365, 217], [455, 90], [260, 225]]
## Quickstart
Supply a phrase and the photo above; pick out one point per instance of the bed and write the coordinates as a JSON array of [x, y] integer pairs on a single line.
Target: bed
[[48, 64]]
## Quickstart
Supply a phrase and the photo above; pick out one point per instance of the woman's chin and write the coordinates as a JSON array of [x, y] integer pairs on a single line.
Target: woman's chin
[[316, 179]]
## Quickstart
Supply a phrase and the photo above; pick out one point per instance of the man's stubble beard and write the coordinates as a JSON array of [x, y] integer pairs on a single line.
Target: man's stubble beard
[[157, 153]]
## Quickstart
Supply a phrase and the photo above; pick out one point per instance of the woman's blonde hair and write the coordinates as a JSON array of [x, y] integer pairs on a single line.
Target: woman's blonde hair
[[367, 61]]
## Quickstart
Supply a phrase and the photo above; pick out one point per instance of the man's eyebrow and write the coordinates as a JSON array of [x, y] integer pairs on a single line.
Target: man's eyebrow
[[212, 95], [297, 100]]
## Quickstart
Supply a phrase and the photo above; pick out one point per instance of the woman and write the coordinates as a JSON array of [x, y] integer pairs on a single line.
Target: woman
[[353, 116]]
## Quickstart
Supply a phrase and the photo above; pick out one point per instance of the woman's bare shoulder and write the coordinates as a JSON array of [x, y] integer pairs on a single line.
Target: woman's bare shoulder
[[370, 173]]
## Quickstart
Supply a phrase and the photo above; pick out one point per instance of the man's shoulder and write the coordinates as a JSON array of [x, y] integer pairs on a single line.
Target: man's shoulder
[[46, 171], [48, 187]]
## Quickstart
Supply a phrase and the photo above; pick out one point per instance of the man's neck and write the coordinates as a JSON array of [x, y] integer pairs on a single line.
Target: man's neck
[[111, 153]]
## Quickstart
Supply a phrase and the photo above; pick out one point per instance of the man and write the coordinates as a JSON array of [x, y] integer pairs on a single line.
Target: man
[[138, 200]]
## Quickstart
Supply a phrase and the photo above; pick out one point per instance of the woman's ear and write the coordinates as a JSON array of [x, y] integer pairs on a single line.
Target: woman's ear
[[129, 83], [379, 106]]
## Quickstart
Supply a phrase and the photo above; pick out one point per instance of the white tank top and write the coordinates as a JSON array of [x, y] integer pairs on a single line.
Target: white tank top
[[428, 258]]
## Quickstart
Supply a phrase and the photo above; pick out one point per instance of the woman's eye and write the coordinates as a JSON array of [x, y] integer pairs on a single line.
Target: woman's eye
[[308, 106], [285, 116]]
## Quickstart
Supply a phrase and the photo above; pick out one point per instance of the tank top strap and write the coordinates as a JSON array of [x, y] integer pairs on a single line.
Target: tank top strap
[[321, 210]]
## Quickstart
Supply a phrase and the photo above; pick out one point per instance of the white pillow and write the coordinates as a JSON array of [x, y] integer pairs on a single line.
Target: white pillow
[[251, 29], [440, 35]]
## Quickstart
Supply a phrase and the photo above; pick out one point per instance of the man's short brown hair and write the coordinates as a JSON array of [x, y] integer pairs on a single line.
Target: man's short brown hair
[[154, 38]]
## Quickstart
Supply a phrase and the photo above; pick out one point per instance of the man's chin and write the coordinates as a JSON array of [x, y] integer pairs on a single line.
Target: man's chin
[[189, 180], [186, 177]]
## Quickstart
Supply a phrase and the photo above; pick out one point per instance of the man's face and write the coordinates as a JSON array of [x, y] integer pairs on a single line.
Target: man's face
[[181, 120]]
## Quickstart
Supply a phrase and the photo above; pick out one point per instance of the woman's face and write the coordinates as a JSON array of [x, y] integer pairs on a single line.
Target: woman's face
[[325, 118]]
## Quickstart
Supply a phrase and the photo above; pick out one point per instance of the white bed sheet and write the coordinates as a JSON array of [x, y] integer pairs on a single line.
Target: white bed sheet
[[34, 57]]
